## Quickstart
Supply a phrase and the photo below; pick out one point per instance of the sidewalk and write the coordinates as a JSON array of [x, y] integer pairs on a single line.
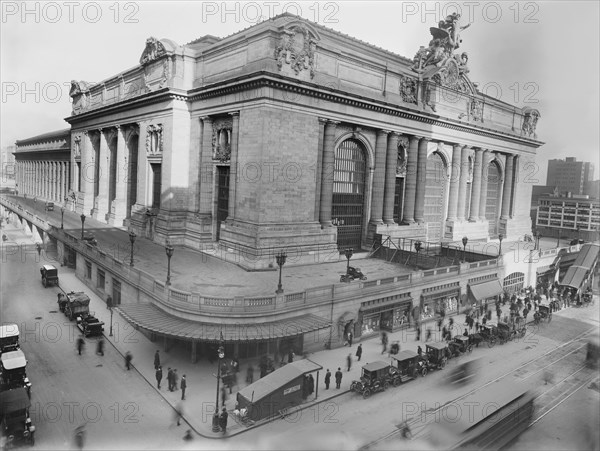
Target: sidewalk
[[201, 380], [202, 272]]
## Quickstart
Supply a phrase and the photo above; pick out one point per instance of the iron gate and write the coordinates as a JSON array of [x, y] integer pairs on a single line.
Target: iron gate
[[491, 204], [435, 197], [347, 210], [222, 196]]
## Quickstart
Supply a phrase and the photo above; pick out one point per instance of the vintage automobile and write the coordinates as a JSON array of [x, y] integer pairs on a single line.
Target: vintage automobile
[[409, 365], [592, 355], [14, 417], [12, 371], [487, 333], [77, 304], [375, 377], [9, 338], [49, 275], [464, 373], [352, 274], [436, 355], [460, 345], [544, 313], [89, 325]]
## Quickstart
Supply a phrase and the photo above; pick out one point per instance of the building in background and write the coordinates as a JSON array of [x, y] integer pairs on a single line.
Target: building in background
[[7, 168], [568, 216], [569, 175], [43, 166]]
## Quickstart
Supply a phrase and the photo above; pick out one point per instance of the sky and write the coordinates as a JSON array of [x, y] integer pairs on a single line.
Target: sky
[[544, 55]]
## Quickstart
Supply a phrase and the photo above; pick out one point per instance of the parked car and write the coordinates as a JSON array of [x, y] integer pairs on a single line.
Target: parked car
[[49, 206], [409, 365], [14, 417], [375, 377], [9, 338], [49, 275], [12, 371]]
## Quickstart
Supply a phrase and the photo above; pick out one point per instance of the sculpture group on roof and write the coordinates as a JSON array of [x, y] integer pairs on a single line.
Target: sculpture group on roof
[[446, 39]]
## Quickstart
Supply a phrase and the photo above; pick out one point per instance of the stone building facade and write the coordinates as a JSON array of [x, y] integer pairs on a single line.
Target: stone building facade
[[289, 135], [43, 167]]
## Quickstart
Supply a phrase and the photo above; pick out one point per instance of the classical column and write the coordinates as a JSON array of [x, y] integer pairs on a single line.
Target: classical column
[[487, 158], [379, 177], [476, 187], [327, 173], [454, 183], [391, 162], [88, 171], [103, 177], [421, 181], [206, 175], [53, 180], [120, 201], [411, 180], [65, 178], [462, 184], [233, 162], [507, 188]]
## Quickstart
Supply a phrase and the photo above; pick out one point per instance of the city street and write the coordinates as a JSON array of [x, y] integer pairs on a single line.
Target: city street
[[120, 408]]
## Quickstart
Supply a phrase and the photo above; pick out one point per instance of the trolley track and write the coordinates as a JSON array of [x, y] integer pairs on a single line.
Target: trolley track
[[418, 424]]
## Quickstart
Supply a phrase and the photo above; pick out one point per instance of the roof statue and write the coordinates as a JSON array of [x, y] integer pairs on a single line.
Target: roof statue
[[446, 39], [154, 50]]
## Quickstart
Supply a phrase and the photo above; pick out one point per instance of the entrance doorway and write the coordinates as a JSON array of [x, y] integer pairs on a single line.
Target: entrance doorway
[[347, 209]]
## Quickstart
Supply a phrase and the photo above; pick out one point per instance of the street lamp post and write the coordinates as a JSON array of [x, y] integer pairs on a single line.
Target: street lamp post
[[62, 217], [221, 355], [418, 247], [348, 253], [82, 223], [500, 238], [281, 257], [109, 303], [132, 237], [465, 240], [169, 249]]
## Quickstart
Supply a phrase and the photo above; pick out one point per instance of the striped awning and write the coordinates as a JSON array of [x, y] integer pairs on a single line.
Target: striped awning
[[153, 319]]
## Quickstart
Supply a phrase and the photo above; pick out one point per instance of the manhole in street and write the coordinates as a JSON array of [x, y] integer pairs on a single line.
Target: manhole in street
[[53, 311], [38, 317], [99, 365]]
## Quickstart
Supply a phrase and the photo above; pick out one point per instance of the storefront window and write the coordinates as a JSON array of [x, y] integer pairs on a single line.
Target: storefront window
[[400, 318], [371, 324]]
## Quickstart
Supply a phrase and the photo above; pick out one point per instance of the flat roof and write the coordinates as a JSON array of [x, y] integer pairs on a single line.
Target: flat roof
[[407, 354], [14, 359], [9, 330], [374, 366]]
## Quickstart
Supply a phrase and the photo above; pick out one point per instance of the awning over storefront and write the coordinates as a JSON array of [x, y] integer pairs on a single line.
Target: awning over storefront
[[541, 270], [574, 277], [150, 317], [486, 289], [387, 305]]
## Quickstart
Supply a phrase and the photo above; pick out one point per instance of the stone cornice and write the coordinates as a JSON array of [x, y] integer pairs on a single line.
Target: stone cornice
[[266, 79]]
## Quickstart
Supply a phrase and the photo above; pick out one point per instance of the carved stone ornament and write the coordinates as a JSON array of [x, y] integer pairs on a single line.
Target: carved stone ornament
[[296, 48], [77, 146], [476, 110], [154, 139], [80, 93], [154, 50], [530, 119], [221, 139], [408, 89]]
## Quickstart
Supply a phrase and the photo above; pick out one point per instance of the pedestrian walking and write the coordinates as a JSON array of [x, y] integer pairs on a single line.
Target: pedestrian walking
[[80, 345], [349, 361], [156, 360], [128, 359], [311, 384], [100, 347], [223, 395], [79, 436], [419, 351], [223, 420], [159, 376], [359, 352], [439, 324], [327, 379], [175, 379], [338, 378], [418, 329], [349, 339], [428, 336], [170, 379], [384, 342], [235, 363], [290, 356], [178, 413], [250, 374], [183, 387]]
